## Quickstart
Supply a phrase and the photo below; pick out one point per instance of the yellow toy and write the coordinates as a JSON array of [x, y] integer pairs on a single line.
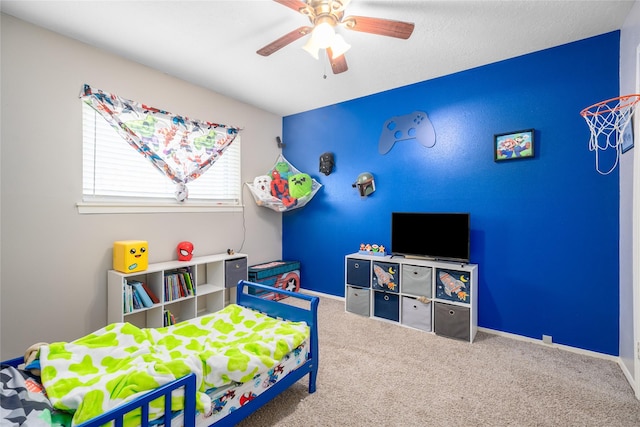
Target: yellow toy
[[130, 256]]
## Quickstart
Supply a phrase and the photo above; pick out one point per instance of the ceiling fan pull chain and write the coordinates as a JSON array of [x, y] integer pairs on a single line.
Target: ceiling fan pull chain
[[324, 67]]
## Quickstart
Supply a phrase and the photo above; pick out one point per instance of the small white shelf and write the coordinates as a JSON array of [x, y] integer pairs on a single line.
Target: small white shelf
[[207, 289], [214, 278]]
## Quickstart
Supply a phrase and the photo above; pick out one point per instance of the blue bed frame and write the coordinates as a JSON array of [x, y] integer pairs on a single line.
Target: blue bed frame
[[270, 307]]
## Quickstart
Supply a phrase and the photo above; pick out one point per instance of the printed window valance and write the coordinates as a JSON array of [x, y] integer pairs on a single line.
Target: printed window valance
[[179, 147]]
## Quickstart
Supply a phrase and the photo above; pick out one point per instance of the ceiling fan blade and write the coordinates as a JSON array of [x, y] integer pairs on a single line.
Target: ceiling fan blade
[[339, 64], [283, 41], [383, 27], [296, 5]]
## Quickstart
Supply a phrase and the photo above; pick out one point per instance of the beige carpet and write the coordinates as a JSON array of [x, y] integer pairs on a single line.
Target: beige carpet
[[373, 373]]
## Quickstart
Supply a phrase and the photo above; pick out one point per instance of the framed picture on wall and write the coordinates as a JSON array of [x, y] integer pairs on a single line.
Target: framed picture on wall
[[513, 145], [627, 137]]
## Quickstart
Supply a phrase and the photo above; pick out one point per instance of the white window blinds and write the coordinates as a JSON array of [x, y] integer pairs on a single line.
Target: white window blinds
[[113, 170]]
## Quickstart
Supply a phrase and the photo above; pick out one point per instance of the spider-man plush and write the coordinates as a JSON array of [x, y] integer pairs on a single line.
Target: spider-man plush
[[185, 251], [280, 189]]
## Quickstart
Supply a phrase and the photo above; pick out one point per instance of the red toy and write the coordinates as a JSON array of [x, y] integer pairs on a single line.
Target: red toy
[[185, 251], [280, 189]]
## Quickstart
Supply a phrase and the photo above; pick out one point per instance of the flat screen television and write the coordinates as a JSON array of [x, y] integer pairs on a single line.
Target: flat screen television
[[443, 236]]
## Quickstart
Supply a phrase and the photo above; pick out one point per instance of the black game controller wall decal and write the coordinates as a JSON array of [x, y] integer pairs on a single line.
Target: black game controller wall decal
[[415, 126]]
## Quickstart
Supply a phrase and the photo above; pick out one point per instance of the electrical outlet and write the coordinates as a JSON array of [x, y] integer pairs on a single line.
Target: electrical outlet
[[547, 339]]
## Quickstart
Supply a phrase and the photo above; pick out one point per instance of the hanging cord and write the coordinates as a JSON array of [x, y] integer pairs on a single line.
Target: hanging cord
[[244, 224]]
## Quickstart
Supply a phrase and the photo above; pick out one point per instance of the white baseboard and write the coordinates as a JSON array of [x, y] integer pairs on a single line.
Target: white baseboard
[[321, 294], [629, 377], [615, 359]]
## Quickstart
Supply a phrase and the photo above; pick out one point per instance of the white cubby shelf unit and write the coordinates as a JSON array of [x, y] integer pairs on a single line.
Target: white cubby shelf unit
[[429, 295], [214, 279]]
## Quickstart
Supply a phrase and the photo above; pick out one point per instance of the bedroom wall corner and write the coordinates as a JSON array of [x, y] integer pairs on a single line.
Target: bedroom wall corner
[[630, 203]]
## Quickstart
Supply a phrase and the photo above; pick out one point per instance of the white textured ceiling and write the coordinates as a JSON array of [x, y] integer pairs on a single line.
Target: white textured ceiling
[[213, 43]]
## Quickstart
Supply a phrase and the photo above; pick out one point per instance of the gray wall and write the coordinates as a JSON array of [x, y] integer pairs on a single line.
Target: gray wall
[[54, 260]]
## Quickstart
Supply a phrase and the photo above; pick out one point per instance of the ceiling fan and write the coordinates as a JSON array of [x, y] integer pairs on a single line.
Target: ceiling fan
[[326, 15]]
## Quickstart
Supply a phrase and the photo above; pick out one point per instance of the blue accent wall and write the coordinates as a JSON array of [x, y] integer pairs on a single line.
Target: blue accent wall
[[544, 231]]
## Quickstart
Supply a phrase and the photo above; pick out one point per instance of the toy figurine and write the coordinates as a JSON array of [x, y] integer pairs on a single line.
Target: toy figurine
[[185, 251], [280, 189], [326, 163], [372, 249], [130, 256]]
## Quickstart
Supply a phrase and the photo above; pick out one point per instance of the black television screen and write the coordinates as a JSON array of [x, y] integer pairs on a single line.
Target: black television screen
[[442, 236]]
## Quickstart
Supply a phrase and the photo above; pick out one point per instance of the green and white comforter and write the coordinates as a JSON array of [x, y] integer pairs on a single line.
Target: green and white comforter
[[119, 362]]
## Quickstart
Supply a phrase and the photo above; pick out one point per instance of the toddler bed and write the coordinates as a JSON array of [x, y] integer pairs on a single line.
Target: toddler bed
[[271, 345]]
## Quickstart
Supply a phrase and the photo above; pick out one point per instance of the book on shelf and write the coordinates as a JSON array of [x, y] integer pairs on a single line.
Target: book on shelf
[[138, 290], [187, 278], [137, 304], [178, 284], [127, 296], [183, 285], [169, 288], [187, 281], [153, 296], [169, 318]]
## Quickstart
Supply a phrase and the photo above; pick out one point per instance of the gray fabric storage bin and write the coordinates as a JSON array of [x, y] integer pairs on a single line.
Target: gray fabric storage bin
[[452, 321], [359, 272], [358, 301], [234, 271], [416, 280], [416, 314]]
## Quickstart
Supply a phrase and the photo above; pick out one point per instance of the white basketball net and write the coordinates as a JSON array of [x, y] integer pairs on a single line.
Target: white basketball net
[[607, 121]]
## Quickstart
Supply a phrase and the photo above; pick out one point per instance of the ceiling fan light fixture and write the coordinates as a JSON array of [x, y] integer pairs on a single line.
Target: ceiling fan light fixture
[[312, 47], [339, 46], [324, 16], [323, 33], [322, 36]]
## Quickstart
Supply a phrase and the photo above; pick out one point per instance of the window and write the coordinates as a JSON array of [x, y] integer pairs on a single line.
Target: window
[[115, 174]]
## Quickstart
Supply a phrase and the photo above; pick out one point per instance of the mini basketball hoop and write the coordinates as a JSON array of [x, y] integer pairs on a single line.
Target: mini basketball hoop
[[607, 121]]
